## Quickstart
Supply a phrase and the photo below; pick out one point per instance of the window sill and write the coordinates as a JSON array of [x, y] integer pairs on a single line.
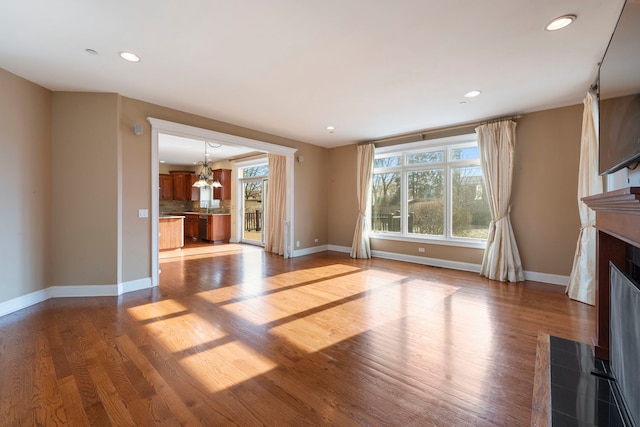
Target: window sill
[[474, 244]]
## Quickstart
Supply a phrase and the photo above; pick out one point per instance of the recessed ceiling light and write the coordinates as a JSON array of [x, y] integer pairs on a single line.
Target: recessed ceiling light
[[91, 51], [472, 94], [162, 161], [331, 129], [462, 102], [128, 56], [560, 22]]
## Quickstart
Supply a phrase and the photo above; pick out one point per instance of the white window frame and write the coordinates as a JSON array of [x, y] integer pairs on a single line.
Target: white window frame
[[460, 141]]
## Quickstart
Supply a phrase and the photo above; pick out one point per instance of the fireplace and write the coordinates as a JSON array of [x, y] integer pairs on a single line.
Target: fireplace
[[617, 337]]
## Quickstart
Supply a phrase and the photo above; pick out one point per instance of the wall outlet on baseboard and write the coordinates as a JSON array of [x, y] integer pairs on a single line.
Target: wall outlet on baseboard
[[421, 250]]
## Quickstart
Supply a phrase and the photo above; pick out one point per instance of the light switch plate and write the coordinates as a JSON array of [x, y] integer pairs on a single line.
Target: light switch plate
[[143, 213]]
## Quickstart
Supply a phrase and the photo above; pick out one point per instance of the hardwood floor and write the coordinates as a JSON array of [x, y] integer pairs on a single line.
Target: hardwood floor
[[235, 336]]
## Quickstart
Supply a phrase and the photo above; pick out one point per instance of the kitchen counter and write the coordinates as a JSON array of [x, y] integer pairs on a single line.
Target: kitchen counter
[[201, 213], [171, 232]]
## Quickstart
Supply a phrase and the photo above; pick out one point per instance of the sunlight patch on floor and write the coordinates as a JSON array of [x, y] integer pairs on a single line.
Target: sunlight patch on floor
[[256, 286], [263, 309], [156, 309], [226, 365], [389, 304], [184, 332]]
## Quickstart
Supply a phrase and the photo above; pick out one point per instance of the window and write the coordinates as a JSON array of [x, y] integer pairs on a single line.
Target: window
[[430, 190]]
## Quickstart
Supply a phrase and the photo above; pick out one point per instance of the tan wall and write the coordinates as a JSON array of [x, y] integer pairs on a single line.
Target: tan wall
[[25, 186], [544, 215], [341, 199], [310, 196], [310, 188], [85, 185], [545, 208]]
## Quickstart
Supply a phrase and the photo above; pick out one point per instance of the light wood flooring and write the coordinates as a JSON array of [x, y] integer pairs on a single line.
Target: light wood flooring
[[236, 336]]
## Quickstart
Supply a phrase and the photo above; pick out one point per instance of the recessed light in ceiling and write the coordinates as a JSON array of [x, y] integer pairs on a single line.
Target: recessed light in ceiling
[[91, 51], [472, 94], [560, 22], [162, 161], [331, 129], [128, 56]]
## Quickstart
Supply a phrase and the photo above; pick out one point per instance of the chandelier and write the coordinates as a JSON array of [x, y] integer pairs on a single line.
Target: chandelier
[[206, 177]]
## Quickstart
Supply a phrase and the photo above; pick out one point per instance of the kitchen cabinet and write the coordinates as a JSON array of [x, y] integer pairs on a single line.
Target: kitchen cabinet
[[166, 186], [191, 225], [170, 230], [224, 177], [219, 227], [183, 188]]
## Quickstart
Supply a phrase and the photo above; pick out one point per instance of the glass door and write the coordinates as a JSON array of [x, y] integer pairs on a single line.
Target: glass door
[[253, 181], [253, 208]]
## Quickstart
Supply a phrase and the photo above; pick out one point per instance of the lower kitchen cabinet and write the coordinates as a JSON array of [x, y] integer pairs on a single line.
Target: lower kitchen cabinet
[[191, 225], [219, 227], [170, 232]]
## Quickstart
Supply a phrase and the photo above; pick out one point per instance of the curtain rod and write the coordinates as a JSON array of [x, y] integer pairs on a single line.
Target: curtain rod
[[422, 134]]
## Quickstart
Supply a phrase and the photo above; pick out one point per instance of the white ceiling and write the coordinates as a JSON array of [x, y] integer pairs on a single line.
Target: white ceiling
[[176, 150], [371, 68]]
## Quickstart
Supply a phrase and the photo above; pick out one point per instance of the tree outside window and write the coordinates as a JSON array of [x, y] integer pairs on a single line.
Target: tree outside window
[[434, 192]]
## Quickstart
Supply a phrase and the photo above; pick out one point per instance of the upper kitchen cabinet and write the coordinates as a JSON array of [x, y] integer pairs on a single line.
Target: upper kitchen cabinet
[[224, 177], [166, 186], [183, 185]]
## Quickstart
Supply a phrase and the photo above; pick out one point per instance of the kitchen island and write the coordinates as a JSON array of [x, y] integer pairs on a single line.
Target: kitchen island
[[171, 232]]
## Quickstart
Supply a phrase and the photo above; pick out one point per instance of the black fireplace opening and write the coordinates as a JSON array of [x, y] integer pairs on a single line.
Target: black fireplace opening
[[624, 334]]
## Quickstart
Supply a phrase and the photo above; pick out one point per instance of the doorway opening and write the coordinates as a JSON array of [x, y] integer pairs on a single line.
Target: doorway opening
[[254, 183], [164, 127]]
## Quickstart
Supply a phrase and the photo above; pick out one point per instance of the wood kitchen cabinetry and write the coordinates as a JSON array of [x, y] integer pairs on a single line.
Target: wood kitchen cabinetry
[[183, 185], [224, 177], [170, 232], [166, 186], [219, 228], [191, 225]]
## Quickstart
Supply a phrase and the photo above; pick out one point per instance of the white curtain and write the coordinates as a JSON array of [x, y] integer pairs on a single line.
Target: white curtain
[[277, 203], [361, 247], [501, 259], [582, 282]]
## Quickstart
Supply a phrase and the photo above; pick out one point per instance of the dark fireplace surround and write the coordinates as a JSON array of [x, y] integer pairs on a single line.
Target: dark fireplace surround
[[618, 228], [618, 243]]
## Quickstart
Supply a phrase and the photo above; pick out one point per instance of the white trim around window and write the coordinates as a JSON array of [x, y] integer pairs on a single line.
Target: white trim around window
[[447, 164]]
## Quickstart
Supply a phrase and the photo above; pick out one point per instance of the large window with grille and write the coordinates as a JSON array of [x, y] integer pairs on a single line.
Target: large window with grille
[[430, 190]]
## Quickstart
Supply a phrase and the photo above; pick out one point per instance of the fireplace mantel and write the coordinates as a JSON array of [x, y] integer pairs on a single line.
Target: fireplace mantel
[[618, 225]]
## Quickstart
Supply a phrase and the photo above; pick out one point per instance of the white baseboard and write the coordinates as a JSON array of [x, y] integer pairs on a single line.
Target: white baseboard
[[69, 291], [343, 249], [83, 291], [24, 301], [434, 262], [134, 285], [554, 279], [311, 250]]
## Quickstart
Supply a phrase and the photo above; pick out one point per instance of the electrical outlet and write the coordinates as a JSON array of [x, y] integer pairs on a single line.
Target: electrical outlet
[[297, 243], [315, 240], [143, 213], [421, 250]]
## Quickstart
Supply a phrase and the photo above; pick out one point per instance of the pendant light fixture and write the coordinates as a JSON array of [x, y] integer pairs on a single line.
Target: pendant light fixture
[[206, 177]]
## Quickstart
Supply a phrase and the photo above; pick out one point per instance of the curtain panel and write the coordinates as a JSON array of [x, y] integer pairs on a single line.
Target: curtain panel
[[582, 281], [276, 202], [496, 141], [361, 246]]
